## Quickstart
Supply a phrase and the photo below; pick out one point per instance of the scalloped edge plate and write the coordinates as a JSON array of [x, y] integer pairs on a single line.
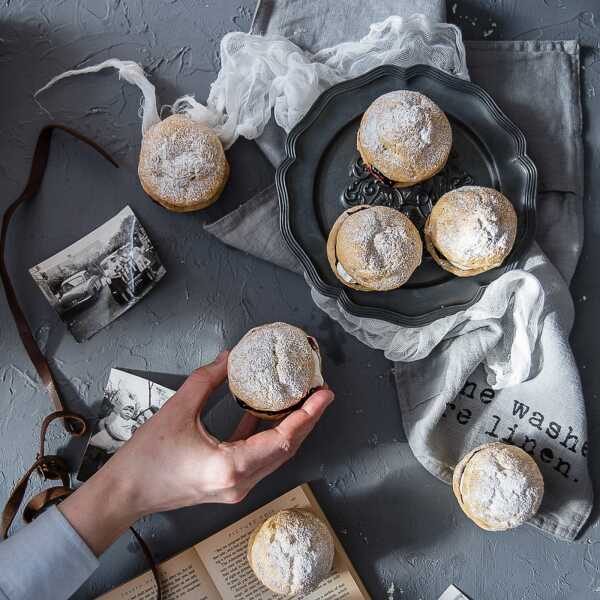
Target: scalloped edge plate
[[414, 306]]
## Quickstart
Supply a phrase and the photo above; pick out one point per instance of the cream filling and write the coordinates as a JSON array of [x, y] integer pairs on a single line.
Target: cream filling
[[317, 380], [343, 274]]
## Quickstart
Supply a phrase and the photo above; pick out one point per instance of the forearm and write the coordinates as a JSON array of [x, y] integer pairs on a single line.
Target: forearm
[[102, 509]]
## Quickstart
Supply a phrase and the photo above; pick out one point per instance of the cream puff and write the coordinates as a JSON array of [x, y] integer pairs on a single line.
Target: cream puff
[[273, 369], [182, 164], [291, 552], [373, 248], [470, 230], [404, 137], [498, 486]]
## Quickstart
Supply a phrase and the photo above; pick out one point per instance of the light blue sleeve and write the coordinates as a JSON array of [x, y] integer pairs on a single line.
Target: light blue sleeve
[[46, 559]]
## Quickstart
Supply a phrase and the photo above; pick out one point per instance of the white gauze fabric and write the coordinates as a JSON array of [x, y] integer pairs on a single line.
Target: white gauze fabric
[[131, 72], [267, 75], [506, 321], [264, 75]]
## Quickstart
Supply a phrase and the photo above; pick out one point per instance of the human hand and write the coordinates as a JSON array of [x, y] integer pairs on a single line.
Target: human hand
[[172, 461]]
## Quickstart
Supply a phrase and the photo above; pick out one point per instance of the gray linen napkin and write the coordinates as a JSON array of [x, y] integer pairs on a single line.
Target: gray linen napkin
[[447, 407]]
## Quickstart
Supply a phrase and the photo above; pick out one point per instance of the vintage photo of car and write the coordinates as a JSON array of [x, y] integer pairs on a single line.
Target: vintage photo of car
[[129, 271], [99, 277], [78, 289]]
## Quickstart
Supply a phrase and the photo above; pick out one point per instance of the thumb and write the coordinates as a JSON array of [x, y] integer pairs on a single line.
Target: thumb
[[203, 381]]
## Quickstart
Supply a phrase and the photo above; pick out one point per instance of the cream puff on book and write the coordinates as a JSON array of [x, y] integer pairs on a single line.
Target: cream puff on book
[[218, 568]]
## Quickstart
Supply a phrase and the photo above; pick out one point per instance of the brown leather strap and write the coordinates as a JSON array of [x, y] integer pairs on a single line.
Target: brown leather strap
[[40, 502], [150, 560], [50, 467], [36, 175]]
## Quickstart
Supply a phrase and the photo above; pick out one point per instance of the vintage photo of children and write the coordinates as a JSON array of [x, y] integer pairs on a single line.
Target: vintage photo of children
[[128, 402]]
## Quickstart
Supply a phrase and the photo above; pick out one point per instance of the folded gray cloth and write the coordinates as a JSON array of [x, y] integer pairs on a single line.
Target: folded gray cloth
[[537, 85], [317, 25], [447, 407]]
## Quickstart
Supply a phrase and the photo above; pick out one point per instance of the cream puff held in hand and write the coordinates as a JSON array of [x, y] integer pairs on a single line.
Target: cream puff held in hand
[[273, 369]]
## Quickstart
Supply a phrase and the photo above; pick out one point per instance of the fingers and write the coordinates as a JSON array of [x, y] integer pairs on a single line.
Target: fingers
[[245, 428], [264, 452], [296, 426], [203, 381]]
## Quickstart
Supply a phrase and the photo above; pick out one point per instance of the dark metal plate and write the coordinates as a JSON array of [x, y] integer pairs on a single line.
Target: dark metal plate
[[322, 175]]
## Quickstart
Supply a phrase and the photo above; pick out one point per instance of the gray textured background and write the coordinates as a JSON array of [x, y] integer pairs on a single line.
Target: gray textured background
[[400, 526]]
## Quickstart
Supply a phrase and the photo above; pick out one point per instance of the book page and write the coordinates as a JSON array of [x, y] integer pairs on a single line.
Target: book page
[[183, 577], [224, 556]]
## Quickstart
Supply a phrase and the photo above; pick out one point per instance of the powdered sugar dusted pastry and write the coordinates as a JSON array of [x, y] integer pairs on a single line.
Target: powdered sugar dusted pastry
[[273, 369], [498, 486], [291, 552], [182, 164], [471, 230], [404, 136], [374, 248]]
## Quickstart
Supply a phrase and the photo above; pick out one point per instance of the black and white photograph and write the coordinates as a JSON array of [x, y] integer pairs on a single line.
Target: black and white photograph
[[128, 402], [99, 277]]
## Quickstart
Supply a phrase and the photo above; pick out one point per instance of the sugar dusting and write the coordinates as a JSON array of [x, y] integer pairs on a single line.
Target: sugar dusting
[[382, 244], [183, 161], [406, 131], [474, 225], [293, 552], [506, 490], [274, 367]]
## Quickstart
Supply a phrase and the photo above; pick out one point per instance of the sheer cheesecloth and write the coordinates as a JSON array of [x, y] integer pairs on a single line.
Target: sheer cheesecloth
[[262, 76], [267, 75]]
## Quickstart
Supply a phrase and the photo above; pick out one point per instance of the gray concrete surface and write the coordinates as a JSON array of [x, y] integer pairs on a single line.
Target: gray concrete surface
[[401, 527]]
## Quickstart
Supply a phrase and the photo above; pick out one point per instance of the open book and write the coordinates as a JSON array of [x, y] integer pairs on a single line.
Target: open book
[[217, 568]]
